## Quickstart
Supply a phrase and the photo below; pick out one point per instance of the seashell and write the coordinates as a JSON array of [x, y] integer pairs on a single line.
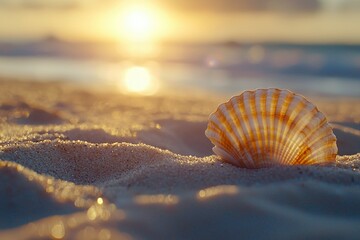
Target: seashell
[[267, 127]]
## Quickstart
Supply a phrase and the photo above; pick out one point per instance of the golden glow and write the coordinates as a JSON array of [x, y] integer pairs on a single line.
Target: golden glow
[[138, 23], [157, 199], [58, 230], [100, 201], [139, 80], [107, 21], [217, 191], [99, 211], [105, 234], [92, 213]]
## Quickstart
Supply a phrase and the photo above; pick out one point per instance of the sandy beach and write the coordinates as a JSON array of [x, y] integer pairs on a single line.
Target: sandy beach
[[81, 163]]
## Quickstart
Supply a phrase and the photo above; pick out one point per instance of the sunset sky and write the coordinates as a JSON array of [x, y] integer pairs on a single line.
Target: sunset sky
[[319, 21]]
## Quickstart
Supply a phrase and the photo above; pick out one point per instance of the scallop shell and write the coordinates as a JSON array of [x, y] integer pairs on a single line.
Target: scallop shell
[[269, 127]]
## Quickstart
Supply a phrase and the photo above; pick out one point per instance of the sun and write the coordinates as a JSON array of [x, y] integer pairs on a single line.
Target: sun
[[133, 22], [138, 23]]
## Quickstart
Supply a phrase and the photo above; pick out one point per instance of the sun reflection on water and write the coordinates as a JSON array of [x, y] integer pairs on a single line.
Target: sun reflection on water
[[139, 80]]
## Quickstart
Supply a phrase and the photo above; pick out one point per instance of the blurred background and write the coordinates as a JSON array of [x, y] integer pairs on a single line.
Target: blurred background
[[147, 47]]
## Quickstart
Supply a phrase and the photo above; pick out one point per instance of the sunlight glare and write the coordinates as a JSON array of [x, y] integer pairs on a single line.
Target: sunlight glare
[[138, 80], [139, 23]]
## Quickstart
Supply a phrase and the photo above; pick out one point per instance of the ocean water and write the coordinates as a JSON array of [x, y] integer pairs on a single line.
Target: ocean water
[[226, 68]]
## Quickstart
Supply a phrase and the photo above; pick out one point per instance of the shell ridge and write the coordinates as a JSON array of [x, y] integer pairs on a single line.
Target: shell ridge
[[319, 145], [318, 140], [221, 122], [271, 131], [288, 100], [242, 137], [216, 136], [269, 120], [291, 127], [307, 131], [246, 129], [253, 125], [308, 113], [225, 156], [278, 121], [261, 118], [219, 119], [230, 121], [220, 140], [292, 111]]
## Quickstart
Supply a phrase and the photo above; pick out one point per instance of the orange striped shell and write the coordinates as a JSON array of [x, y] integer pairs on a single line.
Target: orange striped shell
[[269, 127]]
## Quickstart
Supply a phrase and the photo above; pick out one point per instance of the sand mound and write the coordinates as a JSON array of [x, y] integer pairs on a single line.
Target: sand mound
[[25, 200], [82, 162], [27, 196], [146, 168]]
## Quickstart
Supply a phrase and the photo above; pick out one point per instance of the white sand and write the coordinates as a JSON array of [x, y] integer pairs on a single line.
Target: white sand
[[78, 164]]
